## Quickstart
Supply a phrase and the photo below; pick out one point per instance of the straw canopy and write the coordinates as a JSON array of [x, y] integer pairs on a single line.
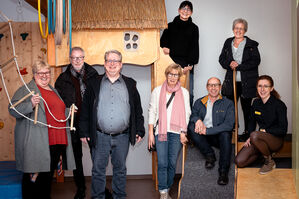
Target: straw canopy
[[118, 14]]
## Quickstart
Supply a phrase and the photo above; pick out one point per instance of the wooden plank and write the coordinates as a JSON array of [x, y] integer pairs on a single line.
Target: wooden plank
[[278, 184]]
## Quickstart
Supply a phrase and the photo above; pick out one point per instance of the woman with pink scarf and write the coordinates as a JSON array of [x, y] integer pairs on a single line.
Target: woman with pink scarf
[[171, 123]]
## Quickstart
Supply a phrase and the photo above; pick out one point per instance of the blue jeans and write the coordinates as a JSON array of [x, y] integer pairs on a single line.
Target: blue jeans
[[118, 147], [222, 141], [167, 153]]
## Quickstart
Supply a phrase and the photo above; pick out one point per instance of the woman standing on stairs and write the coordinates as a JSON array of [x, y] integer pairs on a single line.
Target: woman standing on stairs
[[270, 113], [169, 109]]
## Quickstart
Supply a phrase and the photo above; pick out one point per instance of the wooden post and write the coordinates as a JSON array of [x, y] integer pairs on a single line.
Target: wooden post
[[236, 130], [35, 112]]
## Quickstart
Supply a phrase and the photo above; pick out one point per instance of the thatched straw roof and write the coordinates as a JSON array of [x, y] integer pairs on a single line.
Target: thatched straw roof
[[118, 14]]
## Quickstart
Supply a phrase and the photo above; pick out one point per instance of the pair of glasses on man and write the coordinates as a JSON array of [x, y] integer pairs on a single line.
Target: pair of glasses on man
[[111, 61], [77, 58]]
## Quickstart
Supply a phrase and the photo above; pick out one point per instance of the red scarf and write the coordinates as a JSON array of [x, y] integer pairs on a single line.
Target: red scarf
[[178, 114]]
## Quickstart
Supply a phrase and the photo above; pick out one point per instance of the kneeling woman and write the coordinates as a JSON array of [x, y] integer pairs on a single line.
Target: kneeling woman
[[270, 113], [172, 120]]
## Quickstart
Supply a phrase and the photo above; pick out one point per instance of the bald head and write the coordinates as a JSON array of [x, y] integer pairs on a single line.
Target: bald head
[[213, 87], [213, 79]]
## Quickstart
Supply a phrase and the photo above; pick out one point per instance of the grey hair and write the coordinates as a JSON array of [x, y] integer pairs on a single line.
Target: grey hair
[[240, 20], [77, 48], [112, 52], [38, 65]]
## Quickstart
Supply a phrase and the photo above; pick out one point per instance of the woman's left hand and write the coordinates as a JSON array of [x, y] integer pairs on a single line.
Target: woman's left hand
[[183, 138]]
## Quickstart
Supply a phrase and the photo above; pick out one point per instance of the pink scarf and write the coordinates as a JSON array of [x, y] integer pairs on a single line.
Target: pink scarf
[[178, 114]]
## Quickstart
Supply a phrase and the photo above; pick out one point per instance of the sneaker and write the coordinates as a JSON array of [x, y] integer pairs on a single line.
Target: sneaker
[[210, 161], [163, 195], [268, 166]]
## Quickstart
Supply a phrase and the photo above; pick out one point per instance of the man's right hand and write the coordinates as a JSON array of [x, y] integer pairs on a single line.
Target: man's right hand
[[200, 127], [85, 140]]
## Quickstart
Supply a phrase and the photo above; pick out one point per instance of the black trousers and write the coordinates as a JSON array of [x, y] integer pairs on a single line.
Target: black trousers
[[78, 172], [41, 187], [245, 104]]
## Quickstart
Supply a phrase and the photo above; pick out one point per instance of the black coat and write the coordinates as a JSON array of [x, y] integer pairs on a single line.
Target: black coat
[[248, 68], [68, 88], [181, 37], [88, 117]]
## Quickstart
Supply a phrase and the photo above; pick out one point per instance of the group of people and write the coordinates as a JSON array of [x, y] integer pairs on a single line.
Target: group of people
[[109, 116]]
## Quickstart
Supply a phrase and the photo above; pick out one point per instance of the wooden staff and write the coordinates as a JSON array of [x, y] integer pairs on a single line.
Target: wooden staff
[[7, 62], [35, 112], [22, 99], [73, 107], [183, 169], [236, 130]]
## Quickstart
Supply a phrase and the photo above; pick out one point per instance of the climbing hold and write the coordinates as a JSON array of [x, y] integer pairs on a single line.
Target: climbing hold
[[1, 124], [43, 50], [1, 35], [23, 71], [0, 89], [24, 35]]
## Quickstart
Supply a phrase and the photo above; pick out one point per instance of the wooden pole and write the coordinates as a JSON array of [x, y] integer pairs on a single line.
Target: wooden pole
[[7, 62], [35, 112], [183, 170], [22, 99], [73, 107], [236, 130]]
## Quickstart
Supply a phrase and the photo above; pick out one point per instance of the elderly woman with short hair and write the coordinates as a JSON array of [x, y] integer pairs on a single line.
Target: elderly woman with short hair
[[38, 147], [240, 53], [171, 122]]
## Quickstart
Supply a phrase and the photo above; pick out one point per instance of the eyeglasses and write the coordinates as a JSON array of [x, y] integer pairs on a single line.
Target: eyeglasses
[[186, 9], [173, 75], [41, 74], [242, 29], [213, 85], [77, 58], [263, 86], [112, 61]]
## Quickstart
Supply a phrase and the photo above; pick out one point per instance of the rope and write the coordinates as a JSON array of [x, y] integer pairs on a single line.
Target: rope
[[49, 16], [40, 23], [64, 24], [70, 24], [19, 73], [32, 120], [54, 17]]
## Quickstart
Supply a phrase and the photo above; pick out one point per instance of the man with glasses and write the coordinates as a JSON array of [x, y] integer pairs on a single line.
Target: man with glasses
[[71, 86], [111, 119], [211, 124], [180, 42]]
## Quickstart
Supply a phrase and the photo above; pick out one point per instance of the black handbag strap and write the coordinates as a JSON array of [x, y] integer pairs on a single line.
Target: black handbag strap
[[169, 101]]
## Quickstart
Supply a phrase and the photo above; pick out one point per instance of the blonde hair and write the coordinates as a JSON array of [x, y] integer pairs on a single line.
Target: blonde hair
[[175, 67]]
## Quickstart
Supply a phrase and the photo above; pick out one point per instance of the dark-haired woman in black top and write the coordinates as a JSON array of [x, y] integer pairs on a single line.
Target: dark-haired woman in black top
[[270, 113]]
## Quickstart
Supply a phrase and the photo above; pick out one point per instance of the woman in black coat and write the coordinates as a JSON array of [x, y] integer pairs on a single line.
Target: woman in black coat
[[242, 54]]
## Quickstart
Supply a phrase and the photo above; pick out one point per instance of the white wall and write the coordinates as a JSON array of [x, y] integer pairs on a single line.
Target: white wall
[[269, 23]]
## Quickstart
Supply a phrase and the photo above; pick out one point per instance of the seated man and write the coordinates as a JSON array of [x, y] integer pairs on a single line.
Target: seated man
[[211, 124]]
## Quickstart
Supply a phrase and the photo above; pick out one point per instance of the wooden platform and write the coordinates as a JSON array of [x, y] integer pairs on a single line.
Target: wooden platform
[[278, 184]]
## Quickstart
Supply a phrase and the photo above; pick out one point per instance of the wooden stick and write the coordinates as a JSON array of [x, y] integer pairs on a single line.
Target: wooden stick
[[7, 62], [35, 112], [236, 130], [183, 170], [72, 117], [22, 99]]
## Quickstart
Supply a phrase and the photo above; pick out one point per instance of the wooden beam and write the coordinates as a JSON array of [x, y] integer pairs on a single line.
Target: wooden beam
[[44, 7]]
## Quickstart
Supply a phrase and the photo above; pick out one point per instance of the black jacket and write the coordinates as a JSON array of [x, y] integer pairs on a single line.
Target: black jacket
[[271, 116], [88, 117], [181, 38], [249, 68], [68, 88]]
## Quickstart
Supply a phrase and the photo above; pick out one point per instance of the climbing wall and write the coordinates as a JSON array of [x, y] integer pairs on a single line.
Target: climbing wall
[[28, 49]]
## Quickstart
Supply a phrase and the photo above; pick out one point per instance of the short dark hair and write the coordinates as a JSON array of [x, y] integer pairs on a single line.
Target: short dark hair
[[186, 3]]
